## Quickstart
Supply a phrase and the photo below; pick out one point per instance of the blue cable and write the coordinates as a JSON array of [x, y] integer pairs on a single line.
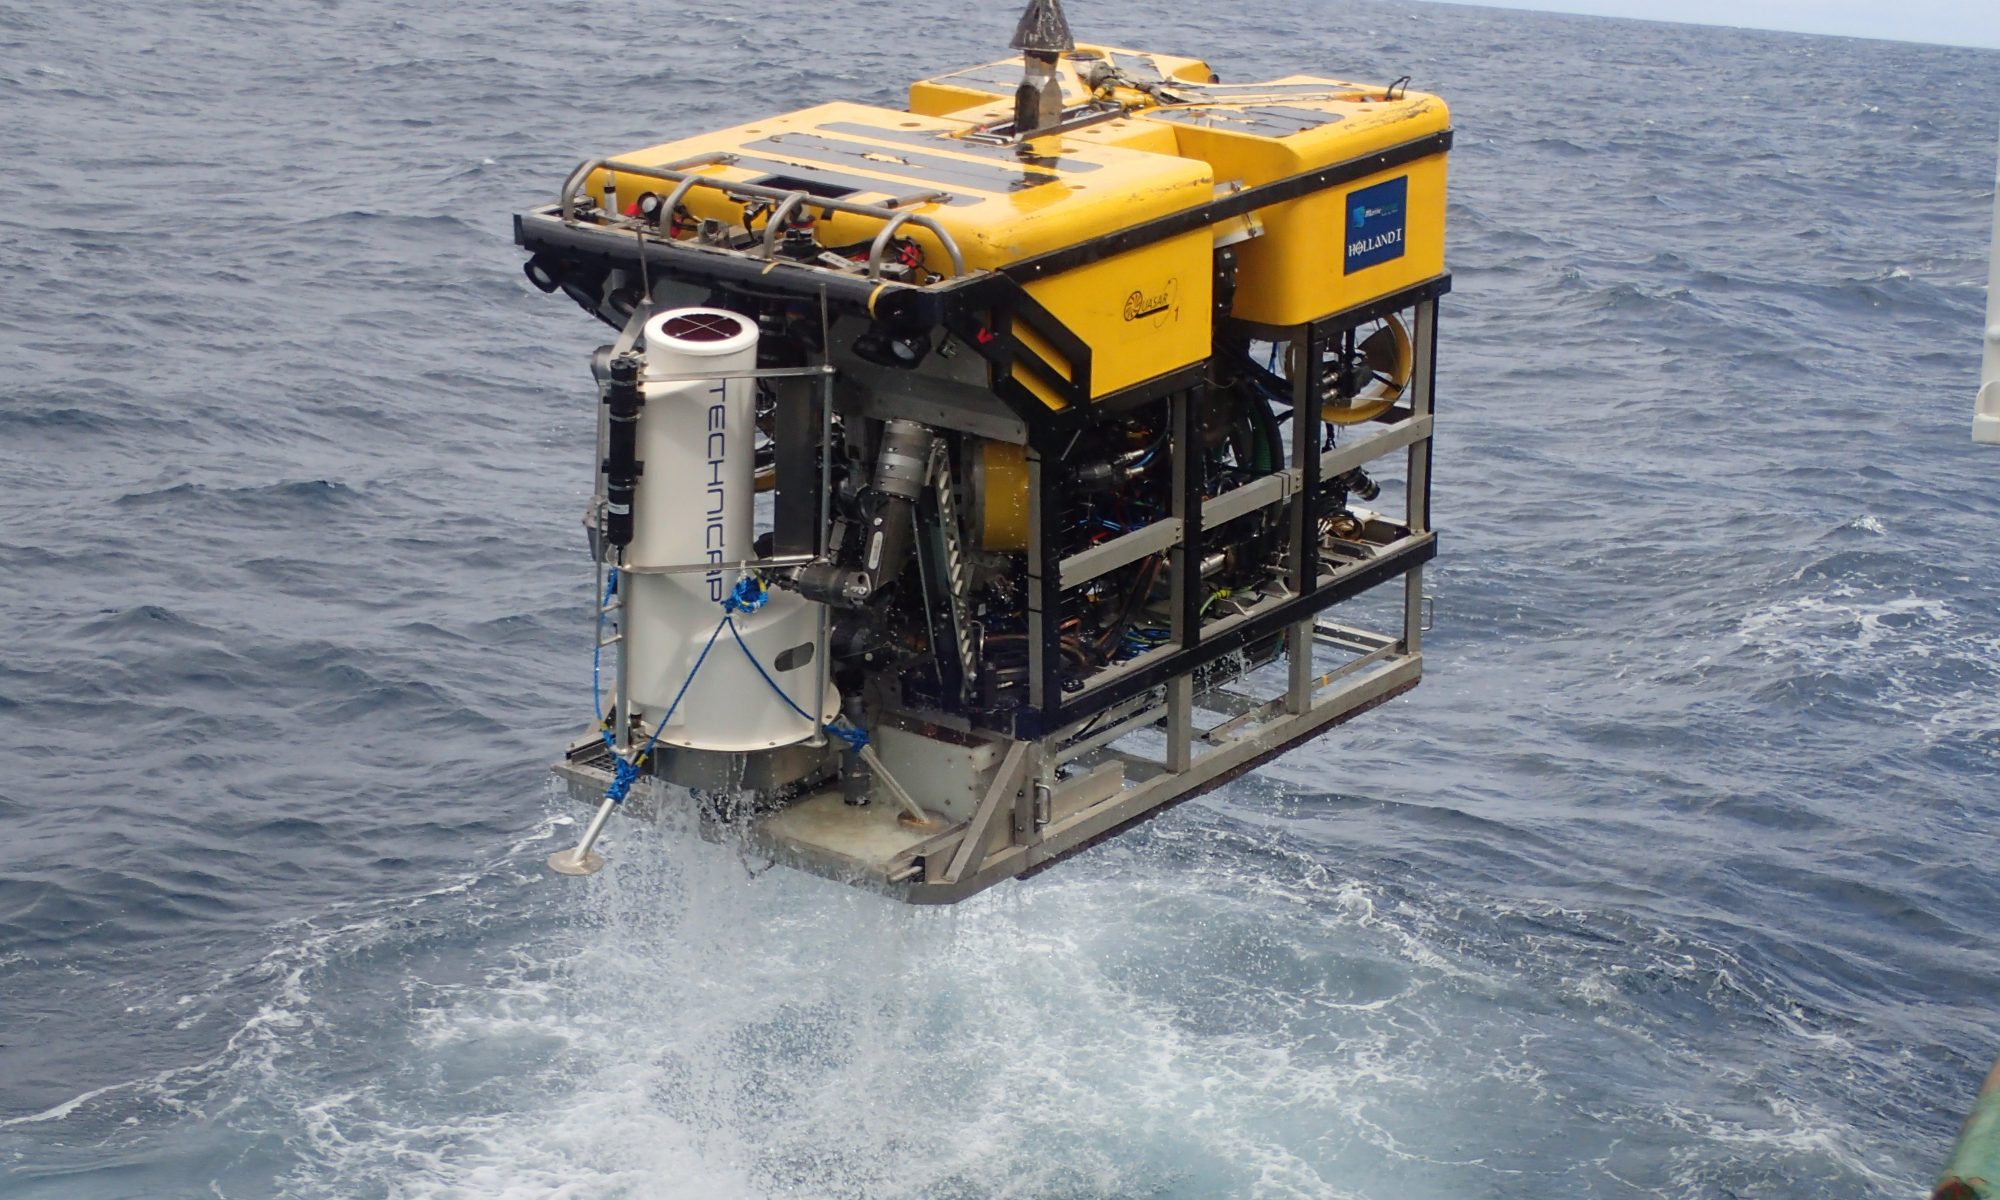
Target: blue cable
[[749, 595], [855, 738], [597, 653], [626, 773]]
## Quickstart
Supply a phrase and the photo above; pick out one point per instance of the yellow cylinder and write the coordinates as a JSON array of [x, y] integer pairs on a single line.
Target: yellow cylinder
[[1000, 496]]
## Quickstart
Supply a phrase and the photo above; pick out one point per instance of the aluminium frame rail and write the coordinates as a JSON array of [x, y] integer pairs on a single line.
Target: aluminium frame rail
[[893, 214], [1064, 784], [1192, 644]]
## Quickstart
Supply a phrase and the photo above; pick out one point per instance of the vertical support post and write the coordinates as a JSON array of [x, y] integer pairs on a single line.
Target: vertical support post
[[621, 704], [1986, 409], [1045, 510], [1307, 400], [1423, 403], [823, 652], [1413, 610], [1188, 414], [825, 425], [621, 700], [1184, 417], [799, 495], [1180, 723]]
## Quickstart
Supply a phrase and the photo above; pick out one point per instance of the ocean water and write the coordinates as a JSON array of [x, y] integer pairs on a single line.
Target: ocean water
[[1673, 879]]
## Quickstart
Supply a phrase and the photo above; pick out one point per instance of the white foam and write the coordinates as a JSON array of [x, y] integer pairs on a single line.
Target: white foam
[[1827, 630], [1931, 664], [709, 1035], [1204, 1012]]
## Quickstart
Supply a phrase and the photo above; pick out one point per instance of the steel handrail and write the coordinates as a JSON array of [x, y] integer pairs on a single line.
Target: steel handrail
[[680, 173], [673, 204], [881, 242], [776, 221], [577, 178]]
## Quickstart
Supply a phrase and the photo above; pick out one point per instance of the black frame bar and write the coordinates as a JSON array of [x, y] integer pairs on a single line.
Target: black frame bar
[[1051, 436]]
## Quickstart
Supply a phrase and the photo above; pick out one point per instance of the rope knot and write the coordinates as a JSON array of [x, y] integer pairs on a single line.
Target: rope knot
[[624, 775], [855, 738], [748, 595]]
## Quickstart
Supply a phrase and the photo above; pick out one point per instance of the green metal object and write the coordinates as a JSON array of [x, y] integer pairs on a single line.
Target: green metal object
[[1973, 1172]]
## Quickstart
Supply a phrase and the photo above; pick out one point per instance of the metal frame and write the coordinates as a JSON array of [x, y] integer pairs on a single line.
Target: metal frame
[[1068, 831], [1070, 774], [1064, 784], [979, 307], [1069, 814], [1310, 588]]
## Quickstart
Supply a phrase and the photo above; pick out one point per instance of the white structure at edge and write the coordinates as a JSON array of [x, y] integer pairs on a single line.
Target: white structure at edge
[[695, 504], [1986, 410]]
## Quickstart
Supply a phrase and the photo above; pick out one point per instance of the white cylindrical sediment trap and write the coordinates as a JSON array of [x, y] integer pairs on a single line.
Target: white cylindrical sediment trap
[[695, 504], [696, 496]]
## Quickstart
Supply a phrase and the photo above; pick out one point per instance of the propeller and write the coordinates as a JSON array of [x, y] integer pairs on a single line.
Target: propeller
[[1375, 378]]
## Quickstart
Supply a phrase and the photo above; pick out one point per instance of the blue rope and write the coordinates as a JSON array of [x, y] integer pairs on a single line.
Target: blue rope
[[855, 738], [747, 596], [623, 776], [766, 675], [626, 772]]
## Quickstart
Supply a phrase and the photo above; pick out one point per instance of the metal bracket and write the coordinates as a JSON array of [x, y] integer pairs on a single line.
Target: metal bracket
[[1008, 780]]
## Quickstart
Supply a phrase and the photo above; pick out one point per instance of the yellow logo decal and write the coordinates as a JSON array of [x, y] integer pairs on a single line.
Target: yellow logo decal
[[1158, 305]]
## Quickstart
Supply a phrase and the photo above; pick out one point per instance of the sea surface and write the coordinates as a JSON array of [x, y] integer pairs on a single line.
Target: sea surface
[[1675, 878]]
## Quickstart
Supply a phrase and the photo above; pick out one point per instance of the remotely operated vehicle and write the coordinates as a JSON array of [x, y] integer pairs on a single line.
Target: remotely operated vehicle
[[979, 478]]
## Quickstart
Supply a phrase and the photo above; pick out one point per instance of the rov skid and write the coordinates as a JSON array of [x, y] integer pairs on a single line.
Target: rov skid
[[978, 479]]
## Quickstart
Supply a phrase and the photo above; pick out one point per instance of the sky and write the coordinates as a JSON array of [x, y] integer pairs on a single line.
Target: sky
[[1954, 22]]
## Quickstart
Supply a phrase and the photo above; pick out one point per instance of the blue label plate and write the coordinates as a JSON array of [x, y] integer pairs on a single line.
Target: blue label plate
[[1376, 217]]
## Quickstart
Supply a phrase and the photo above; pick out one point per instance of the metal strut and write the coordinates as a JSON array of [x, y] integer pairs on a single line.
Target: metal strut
[[611, 604], [957, 575], [582, 859]]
